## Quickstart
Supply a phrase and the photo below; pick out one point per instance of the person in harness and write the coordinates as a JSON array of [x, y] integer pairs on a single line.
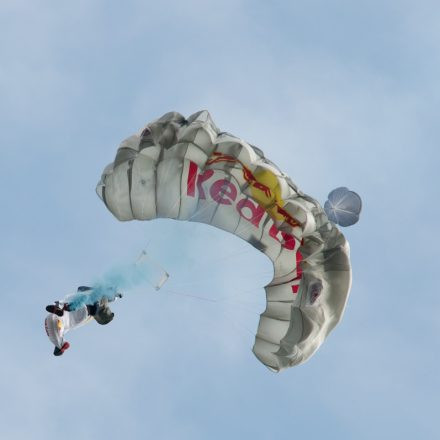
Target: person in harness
[[66, 315]]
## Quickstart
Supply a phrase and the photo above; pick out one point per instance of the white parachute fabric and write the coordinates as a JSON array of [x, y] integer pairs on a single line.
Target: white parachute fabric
[[186, 169]]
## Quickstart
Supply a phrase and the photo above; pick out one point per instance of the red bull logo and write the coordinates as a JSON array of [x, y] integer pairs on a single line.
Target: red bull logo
[[225, 192], [247, 173], [254, 182]]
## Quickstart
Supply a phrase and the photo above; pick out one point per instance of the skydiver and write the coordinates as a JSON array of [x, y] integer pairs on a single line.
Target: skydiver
[[62, 318]]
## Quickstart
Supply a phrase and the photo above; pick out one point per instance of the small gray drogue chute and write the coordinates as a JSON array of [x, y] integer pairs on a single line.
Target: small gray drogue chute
[[343, 206]]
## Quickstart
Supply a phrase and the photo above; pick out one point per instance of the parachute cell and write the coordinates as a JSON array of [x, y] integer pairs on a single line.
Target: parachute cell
[[187, 169]]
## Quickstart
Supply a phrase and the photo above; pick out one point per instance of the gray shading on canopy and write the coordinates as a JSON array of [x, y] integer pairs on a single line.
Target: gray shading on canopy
[[187, 169]]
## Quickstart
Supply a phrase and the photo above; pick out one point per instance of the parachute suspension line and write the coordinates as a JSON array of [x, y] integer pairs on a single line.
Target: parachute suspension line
[[222, 300], [244, 228], [198, 212], [201, 298], [202, 281], [237, 326], [242, 306], [239, 294], [208, 205], [242, 278], [227, 298], [208, 262]]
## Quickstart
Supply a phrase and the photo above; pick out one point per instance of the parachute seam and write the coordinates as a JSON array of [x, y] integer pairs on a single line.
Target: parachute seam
[[258, 336], [275, 319], [218, 204], [156, 177], [130, 183], [104, 197], [179, 199]]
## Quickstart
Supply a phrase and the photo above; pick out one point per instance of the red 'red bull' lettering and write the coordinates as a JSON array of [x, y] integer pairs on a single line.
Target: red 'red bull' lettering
[[256, 211], [202, 178], [192, 177], [225, 192], [286, 240]]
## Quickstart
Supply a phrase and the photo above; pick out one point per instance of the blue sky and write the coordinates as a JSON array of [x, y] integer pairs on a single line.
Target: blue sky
[[336, 93]]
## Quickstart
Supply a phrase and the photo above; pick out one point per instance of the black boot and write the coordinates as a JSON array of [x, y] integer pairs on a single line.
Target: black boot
[[59, 351], [55, 309]]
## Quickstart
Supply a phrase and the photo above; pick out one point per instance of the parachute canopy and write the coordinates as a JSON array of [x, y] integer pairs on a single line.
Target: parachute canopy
[[343, 206], [187, 169]]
